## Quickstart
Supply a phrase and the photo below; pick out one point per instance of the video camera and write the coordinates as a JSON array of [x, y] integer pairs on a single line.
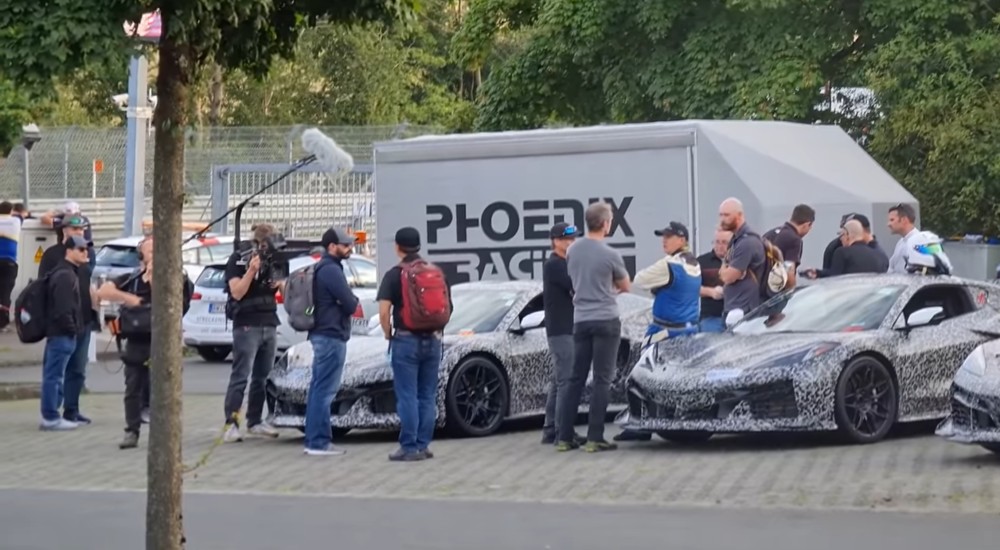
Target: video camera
[[271, 261]]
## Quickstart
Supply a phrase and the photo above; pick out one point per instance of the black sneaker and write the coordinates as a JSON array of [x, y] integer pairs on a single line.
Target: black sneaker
[[403, 456], [629, 435], [563, 446], [78, 418], [599, 446], [130, 441], [579, 440], [548, 437]]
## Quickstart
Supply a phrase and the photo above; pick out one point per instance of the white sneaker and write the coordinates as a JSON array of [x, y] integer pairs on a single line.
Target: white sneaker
[[57, 425], [331, 450], [232, 435], [263, 430]]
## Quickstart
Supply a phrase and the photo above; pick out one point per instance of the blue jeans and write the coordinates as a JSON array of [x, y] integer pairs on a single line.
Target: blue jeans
[[416, 361], [327, 371], [713, 324], [76, 374], [58, 351]]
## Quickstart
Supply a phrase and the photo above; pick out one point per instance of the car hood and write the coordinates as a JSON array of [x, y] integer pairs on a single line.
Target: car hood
[[367, 361], [739, 352]]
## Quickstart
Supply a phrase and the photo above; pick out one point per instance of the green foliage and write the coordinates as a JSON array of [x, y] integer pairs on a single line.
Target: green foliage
[[14, 113]]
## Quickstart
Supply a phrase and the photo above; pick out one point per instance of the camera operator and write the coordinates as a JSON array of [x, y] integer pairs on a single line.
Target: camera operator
[[254, 312], [134, 291]]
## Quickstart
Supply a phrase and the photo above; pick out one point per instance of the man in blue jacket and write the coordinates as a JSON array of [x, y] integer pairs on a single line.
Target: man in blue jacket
[[334, 304]]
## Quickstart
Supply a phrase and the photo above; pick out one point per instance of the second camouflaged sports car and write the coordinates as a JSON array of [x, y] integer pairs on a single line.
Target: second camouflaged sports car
[[495, 365], [856, 353], [975, 400]]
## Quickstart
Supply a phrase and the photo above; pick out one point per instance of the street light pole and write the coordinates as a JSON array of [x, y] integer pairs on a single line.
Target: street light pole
[[30, 135], [138, 114]]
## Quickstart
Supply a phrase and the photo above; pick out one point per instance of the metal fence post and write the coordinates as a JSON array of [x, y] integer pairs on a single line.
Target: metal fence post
[[138, 113], [220, 196]]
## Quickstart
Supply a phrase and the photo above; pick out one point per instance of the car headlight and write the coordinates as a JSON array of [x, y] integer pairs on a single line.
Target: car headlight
[[803, 355], [975, 363]]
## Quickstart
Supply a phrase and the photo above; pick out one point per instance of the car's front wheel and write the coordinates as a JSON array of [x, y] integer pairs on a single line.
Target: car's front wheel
[[866, 400], [214, 354], [477, 397], [685, 438]]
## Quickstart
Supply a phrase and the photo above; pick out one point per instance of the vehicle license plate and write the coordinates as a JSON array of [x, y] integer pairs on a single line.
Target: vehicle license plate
[[217, 308]]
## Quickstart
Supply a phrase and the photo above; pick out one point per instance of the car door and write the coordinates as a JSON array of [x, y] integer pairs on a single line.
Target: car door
[[531, 362], [928, 357]]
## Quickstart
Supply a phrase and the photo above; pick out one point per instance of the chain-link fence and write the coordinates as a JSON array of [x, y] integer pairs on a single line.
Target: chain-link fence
[[61, 165]]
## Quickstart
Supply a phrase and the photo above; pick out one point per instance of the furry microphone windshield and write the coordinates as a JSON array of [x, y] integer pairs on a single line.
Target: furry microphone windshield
[[329, 156]]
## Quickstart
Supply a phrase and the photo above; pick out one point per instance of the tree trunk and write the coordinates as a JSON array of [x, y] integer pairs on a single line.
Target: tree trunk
[[164, 525], [216, 96]]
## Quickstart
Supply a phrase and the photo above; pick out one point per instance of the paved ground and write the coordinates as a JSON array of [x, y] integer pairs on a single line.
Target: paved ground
[[910, 472], [114, 521]]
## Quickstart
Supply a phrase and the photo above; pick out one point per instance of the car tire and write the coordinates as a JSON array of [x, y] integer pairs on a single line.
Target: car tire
[[214, 354], [685, 438], [866, 400], [992, 447], [477, 398]]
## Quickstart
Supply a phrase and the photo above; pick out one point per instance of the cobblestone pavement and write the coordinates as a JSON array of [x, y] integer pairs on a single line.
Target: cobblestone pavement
[[909, 472]]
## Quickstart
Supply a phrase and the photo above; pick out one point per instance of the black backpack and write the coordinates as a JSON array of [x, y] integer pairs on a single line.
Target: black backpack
[[30, 311]]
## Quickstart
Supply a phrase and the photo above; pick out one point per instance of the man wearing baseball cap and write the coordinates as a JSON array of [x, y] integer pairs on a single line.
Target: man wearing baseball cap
[[334, 304], [557, 297], [57, 219], [73, 230], [675, 283]]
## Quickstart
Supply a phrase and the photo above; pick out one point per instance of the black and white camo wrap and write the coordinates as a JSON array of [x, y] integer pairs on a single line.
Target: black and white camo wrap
[[975, 402], [366, 401], [727, 383]]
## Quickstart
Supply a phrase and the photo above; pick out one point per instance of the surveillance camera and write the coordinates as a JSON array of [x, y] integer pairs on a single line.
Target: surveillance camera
[[30, 135], [120, 101]]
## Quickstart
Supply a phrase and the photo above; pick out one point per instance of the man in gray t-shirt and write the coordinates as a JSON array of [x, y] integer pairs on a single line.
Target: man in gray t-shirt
[[598, 274], [743, 266]]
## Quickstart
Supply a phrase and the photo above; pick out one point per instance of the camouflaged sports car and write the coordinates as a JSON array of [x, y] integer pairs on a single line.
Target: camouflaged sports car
[[855, 353], [495, 365], [975, 400]]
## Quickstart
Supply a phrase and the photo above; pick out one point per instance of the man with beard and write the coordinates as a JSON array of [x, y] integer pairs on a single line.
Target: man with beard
[[743, 267], [334, 306]]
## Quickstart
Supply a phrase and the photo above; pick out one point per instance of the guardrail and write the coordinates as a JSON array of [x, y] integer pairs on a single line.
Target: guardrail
[[107, 216]]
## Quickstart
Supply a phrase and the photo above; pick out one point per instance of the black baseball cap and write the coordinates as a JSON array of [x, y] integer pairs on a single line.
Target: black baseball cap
[[76, 241], [337, 236], [408, 238], [672, 229], [563, 230], [866, 224]]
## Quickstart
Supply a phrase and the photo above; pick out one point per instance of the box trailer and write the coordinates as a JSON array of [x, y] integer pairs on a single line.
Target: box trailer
[[484, 202]]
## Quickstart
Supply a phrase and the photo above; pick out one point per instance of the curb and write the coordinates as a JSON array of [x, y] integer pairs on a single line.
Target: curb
[[15, 391], [102, 356]]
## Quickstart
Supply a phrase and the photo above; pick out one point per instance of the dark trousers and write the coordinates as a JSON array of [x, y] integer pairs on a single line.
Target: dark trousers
[[136, 359], [416, 363], [253, 357], [595, 344], [76, 376], [8, 276]]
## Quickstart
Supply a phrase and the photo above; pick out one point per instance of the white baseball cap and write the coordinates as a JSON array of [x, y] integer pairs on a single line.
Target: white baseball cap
[[71, 207]]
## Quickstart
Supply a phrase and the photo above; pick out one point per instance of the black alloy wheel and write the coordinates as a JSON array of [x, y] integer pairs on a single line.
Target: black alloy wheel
[[477, 398], [685, 437], [866, 402], [214, 354]]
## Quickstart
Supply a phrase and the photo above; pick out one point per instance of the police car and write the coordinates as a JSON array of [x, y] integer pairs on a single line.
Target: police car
[[207, 330], [121, 257]]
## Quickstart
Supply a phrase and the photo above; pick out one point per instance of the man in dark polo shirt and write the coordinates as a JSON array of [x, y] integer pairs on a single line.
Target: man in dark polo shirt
[[836, 243], [855, 256], [743, 267], [711, 285], [788, 238]]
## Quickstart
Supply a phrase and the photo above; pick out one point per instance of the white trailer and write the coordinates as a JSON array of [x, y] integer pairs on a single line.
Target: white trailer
[[484, 202]]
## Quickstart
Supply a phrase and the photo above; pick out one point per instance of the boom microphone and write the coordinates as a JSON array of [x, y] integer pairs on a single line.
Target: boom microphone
[[321, 148], [330, 157]]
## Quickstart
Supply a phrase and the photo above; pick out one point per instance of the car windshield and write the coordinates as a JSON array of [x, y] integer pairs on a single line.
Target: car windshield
[[117, 256], [212, 277], [478, 311], [832, 307]]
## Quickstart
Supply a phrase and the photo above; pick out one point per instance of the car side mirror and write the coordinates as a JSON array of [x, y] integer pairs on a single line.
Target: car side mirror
[[925, 316], [530, 322]]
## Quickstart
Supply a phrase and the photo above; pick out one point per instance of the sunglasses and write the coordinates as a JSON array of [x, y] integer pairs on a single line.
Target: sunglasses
[[570, 231]]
